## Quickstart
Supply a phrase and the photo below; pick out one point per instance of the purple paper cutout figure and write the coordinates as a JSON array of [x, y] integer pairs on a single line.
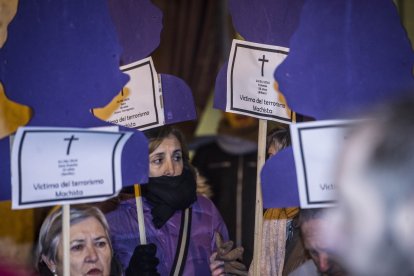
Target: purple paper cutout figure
[[267, 22], [279, 183], [220, 88], [62, 59], [139, 23], [5, 187], [346, 56]]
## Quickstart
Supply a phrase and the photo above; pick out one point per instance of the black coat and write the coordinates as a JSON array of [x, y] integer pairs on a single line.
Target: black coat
[[233, 181]]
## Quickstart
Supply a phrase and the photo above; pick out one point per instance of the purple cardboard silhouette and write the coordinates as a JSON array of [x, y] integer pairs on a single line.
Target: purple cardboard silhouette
[[138, 24], [267, 22], [279, 183], [5, 177], [346, 56], [62, 59]]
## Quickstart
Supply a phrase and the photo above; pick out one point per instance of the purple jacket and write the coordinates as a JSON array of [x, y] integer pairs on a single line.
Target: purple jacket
[[206, 220]]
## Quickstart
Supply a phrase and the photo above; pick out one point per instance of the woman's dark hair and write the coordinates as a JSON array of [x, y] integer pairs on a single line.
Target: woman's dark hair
[[155, 137], [278, 136]]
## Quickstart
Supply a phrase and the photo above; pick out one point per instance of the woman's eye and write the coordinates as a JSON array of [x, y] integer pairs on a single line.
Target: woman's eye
[[157, 161], [178, 158], [77, 247], [101, 244]]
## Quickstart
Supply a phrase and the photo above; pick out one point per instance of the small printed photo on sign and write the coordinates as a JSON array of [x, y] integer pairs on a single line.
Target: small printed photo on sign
[[317, 147], [139, 104], [251, 88], [53, 166]]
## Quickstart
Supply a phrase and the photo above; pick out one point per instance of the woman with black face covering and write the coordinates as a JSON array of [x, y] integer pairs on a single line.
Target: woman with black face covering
[[180, 225]]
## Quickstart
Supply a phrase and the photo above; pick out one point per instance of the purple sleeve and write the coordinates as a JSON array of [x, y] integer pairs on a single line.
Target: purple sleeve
[[218, 224]]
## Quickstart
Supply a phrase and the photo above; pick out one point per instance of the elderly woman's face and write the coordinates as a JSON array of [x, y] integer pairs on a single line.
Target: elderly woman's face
[[167, 158], [90, 253]]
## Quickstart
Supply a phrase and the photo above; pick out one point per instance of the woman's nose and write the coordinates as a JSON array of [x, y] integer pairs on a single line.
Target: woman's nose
[[169, 168], [91, 254]]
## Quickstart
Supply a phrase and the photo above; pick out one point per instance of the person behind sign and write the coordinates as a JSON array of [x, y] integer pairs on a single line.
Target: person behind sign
[[278, 138], [229, 163], [90, 246], [169, 199], [374, 219], [282, 248], [314, 225]]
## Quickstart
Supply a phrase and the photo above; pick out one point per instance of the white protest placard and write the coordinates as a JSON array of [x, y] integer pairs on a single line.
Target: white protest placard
[[53, 166], [317, 147], [251, 88], [139, 105]]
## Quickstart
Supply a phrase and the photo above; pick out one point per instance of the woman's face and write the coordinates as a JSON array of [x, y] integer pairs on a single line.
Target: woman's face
[[167, 159], [90, 253]]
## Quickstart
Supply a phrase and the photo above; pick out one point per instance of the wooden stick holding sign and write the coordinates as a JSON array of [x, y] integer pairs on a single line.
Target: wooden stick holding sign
[[66, 238], [258, 221], [140, 214]]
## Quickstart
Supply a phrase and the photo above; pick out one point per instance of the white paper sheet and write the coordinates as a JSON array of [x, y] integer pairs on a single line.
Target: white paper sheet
[[317, 147], [139, 105], [251, 88], [53, 166]]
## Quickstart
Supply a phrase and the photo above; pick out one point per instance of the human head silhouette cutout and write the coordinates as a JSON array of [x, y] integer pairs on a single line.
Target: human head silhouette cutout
[[65, 63], [344, 57], [138, 24], [266, 22], [62, 59]]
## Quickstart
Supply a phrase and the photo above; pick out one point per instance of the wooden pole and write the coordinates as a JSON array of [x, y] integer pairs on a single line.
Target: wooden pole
[[66, 239], [258, 225], [140, 214]]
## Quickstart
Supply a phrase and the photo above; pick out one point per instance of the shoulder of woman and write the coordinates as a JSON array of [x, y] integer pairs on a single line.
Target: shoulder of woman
[[203, 201], [204, 205]]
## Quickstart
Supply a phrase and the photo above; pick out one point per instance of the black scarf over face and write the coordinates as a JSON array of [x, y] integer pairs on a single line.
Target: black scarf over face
[[168, 194]]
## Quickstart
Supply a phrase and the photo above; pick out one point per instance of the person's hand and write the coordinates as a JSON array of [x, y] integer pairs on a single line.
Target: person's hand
[[143, 262], [216, 266], [231, 257]]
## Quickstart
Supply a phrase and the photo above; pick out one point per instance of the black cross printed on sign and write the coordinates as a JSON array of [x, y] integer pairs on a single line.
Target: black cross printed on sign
[[263, 60], [72, 138]]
